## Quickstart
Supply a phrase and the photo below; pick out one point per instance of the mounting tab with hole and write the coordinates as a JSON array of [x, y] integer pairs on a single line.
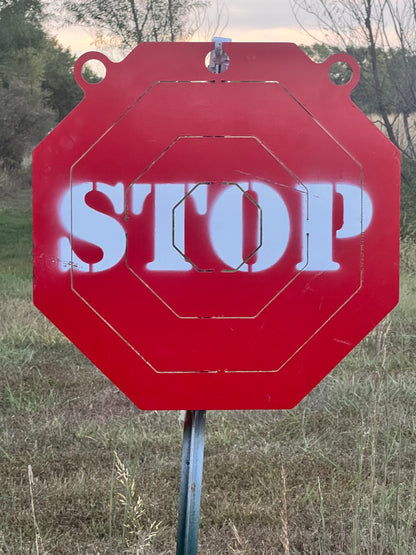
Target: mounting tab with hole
[[218, 61]]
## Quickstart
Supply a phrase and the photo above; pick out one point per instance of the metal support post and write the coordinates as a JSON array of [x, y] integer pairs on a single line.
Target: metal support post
[[191, 480]]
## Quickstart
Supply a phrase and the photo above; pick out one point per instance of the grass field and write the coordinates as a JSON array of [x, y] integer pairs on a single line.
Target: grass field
[[83, 471]]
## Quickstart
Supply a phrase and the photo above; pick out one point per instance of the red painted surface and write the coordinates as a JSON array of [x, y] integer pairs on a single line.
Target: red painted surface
[[216, 241]]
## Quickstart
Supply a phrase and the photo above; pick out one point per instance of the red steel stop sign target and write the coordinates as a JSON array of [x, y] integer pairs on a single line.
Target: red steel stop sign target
[[216, 241]]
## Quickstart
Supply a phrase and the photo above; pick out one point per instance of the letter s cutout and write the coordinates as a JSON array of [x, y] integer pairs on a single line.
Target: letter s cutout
[[90, 225]]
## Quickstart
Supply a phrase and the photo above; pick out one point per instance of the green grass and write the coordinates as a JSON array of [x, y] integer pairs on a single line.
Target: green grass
[[15, 244], [408, 198], [347, 451]]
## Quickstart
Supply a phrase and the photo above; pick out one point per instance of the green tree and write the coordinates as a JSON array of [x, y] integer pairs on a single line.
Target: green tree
[[61, 92], [24, 120], [37, 87], [364, 93], [20, 35], [382, 36]]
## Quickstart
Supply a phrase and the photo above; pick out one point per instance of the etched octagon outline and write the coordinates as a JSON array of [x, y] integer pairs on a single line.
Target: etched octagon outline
[[299, 189], [299, 271], [247, 258]]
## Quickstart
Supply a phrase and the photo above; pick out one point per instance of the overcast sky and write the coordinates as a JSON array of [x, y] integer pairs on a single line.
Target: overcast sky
[[248, 20], [259, 20]]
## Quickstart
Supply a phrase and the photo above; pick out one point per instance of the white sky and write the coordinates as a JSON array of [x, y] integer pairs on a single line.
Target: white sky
[[248, 21], [260, 20]]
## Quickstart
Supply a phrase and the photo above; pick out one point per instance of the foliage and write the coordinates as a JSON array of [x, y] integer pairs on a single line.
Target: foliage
[[138, 537], [126, 23], [61, 92], [408, 199], [382, 37], [15, 231], [20, 24], [363, 94], [24, 120], [395, 76], [37, 88]]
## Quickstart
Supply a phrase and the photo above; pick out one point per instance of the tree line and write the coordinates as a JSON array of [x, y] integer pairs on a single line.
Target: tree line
[[394, 109], [36, 85], [381, 36], [37, 88]]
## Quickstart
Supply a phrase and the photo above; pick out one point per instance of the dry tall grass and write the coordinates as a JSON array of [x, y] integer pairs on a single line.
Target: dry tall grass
[[335, 475]]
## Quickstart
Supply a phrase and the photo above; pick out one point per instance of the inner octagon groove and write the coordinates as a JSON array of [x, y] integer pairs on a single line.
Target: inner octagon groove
[[246, 194]]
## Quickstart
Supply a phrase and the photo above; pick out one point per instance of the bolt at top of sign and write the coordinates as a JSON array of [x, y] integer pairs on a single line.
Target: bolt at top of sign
[[219, 60], [229, 240]]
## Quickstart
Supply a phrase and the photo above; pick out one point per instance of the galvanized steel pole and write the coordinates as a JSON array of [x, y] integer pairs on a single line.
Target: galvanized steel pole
[[191, 480]]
